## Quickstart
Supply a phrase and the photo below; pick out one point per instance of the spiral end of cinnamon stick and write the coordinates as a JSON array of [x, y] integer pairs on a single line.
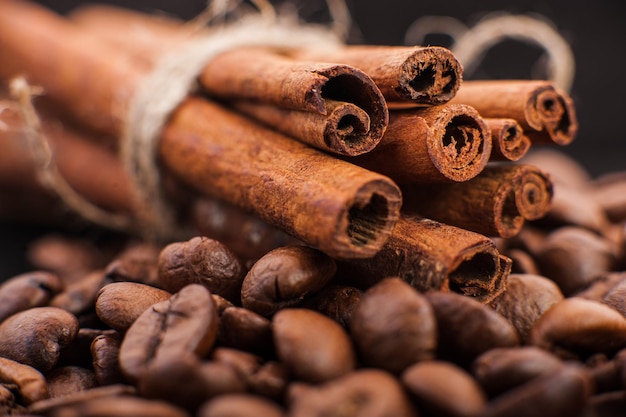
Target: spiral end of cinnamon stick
[[461, 143], [368, 221], [551, 112], [358, 114], [533, 196], [509, 141], [431, 75]]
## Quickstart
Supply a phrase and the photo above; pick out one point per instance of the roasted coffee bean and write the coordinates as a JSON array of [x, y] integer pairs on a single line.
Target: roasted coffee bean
[[27, 383], [51, 405], [578, 328], [607, 376], [283, 277], [601, 286], [574, 207], [137, 263], [68, 380], [363, 393], [187, 381], [444, 389], [270, 380], [610, 404], [186, 323], [8, 404], [394, 326], [335, 301], [70, 258], [80, 296], [240, 405], [32, 289], [523, 262], [105, 350], [314, 347], [467, 328], [221, 303], [609, 190], [119, 304], [126, 406], [562, 393], [243, 329], [616, 298], [245, 363], [201, 261], [525, 299], [36, 336], [78, 353], [499, 370], [574, 257]]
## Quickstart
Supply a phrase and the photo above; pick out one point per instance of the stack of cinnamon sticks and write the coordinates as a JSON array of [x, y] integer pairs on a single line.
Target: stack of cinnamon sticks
[[379, 156]]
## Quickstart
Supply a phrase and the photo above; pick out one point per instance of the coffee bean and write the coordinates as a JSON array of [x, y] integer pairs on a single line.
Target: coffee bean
[[499, 370], [574, 257], [616, 298], [525, 299], [460, 319], [601, 285], [119, 304], [36, 336], [105, 351], [444, 389], [126, 406], [394, 326], [314, 347], [363, 393], [245, 363], [562, 393], [68, 380], [243, 329], [283, 277], [240, 405], [32, 289], [270, 380], [137, 263], [24, 381], [185, 323], [578, 328], [79, 297], [52, 406], [523, 262], [201, 261], [335, 301]]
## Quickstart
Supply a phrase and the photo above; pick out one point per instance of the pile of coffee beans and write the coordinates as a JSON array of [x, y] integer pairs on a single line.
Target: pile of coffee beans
[[192, 329]]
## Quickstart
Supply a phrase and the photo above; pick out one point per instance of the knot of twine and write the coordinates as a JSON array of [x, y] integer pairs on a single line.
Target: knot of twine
[[173, 78], [471, 44]]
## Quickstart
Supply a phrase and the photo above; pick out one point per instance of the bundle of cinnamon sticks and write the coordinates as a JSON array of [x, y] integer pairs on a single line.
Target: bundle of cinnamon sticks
[[380, 156]]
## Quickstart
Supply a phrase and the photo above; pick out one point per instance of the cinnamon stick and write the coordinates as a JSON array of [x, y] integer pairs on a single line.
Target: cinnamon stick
[[434, 144], [495, 203], [435, 256], [508, 138], [336, 108], [342, 209], [423, 75], [546, 114]]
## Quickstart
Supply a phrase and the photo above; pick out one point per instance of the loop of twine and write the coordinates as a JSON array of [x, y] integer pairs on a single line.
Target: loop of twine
[[172, 80], [471, 45], [47, 171]]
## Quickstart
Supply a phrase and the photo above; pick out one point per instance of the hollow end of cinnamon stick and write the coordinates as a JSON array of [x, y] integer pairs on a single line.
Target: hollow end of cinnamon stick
[[481, 275], [461, 142], [508, 139], [431, 75], [534, 194], [368, 221]]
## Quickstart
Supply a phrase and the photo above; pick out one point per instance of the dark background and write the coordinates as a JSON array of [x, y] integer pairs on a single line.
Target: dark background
[[596, 31]]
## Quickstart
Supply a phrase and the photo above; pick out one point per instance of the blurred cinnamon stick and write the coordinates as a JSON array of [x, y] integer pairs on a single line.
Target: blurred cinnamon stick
[[434, 256], [342, 209], [546, 114], [422, 75], [495, 203]]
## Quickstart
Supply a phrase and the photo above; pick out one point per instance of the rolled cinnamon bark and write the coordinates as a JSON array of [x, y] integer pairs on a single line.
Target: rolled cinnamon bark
[[495, 203], [435, 144], [423, 75], [336, 108], [342, 209], [546, 114], [508, 139], [426, 75], [434, 256]]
